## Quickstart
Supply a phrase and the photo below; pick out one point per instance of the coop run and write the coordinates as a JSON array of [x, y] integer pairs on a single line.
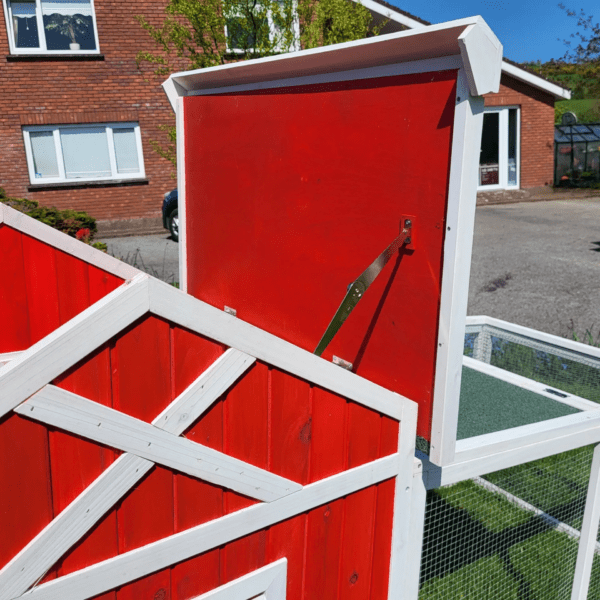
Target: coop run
[[515, 515]]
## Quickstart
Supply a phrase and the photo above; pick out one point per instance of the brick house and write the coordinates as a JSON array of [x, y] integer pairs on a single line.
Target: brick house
[[518, 125], [77, 117]]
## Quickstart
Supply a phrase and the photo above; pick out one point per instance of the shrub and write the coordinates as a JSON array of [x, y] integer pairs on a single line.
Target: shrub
[[77, 224]]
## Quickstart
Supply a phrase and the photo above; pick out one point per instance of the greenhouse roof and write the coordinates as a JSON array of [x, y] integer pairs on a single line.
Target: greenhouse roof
[[565, 134]]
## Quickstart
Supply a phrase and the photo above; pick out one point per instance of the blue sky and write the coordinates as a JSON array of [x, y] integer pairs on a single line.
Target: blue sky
[[530, 30]]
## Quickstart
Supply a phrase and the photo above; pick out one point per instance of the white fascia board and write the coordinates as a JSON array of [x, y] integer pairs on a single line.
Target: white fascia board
[[481, 52], [411, 45], [557, 91], [173, 91]]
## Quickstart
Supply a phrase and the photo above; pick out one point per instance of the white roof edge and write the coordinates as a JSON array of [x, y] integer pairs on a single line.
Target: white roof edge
[[547, 86], [470, 38], [516, 72]]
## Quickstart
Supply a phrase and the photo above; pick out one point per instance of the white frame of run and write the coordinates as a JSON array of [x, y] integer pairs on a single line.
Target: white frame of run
[[491, 452], [467, 45]]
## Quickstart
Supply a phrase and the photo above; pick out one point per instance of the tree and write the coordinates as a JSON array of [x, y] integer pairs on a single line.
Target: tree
[[196, 34]]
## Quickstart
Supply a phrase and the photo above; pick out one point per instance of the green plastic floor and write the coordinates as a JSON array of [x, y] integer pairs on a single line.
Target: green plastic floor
[[488, 404]]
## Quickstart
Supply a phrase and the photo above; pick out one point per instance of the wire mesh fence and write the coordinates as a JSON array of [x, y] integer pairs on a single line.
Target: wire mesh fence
[[512, 534], [559, 368]]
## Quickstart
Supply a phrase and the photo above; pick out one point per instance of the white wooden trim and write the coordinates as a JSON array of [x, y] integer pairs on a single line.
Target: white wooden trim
[[44, 233], [71, 342], [444, 63], [530, 384], [117, 571], [189, 312], [65, 530], [201, 394], [181, 201], [94, 421], [589, 533], [270, 581], [427, 42], [458, 243], [403, 544], [30, 564], [8, 356], [495, 451], [547, 338]]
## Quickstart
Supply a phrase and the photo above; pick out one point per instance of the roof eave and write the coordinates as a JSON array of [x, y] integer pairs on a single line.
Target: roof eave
[[557, 91]]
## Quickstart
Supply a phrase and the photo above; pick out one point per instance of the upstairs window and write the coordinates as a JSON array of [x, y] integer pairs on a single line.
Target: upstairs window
[[268, 27], [51, 26], [80, 153]]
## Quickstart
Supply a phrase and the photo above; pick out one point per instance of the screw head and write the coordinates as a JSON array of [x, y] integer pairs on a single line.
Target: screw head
[[407, 223]]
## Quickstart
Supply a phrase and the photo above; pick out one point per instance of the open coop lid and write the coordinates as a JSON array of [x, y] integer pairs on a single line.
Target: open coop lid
[[298, 171]]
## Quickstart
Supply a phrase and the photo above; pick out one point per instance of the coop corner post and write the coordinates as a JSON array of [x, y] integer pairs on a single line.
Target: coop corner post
[[589, 532], [404, 544], [181, 204], [462, 190]]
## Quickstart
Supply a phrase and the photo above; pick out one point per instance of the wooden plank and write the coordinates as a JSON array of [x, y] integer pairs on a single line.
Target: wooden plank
[[181, 196], [289, 456], [71, 342], [76, 463], [458, 243], [196, 399], [6, 357], [589, 533], [403, 544], [384, 517], [329, 444], [82, 513], [356, 548], [71, 412], [174, 549], [73, 286], [42, 290], [141, 383], [245, 437], [67, 244], [196, 502], [13, 293], [265, 583], [172, 304]]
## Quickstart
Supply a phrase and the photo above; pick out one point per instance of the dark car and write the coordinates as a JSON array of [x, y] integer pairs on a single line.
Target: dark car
[[170, 214]]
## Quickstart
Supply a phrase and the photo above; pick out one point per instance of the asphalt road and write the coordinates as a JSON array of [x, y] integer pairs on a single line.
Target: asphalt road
[[535, 264], [538, 265]]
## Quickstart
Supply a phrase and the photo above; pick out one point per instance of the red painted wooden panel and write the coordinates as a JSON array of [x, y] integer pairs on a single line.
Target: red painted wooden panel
[[356, 549], [141, 367], [324, 528], [327, 173], [76, 463], [26, 501], [195, 501], [290, 443], [14, 322], [246, 420], [42, 288]]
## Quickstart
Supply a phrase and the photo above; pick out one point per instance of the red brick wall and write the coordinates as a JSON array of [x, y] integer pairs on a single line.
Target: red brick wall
[[74, 90], [537, 129]]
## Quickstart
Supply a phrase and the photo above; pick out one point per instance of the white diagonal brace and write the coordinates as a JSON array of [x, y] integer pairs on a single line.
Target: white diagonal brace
[[185, 310], [91, 420], [27, 567], [117, 571], [71, 342], [268, 583], [8, 356]]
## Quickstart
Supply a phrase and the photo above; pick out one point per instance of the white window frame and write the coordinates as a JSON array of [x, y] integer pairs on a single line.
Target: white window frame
[[503, 149], [42, 49], [62, 178], [296, 45]]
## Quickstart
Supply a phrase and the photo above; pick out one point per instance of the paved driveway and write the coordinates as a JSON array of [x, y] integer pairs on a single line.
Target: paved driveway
[[536, 264]]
